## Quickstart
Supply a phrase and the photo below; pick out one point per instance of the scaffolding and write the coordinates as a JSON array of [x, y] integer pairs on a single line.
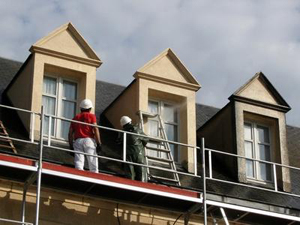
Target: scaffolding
[[200, 202]]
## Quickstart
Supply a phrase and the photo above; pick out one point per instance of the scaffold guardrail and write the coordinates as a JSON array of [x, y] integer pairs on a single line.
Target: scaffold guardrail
[[196, 150]]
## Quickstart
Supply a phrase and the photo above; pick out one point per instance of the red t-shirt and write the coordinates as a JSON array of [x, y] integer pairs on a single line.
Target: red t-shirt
[[81, 130]]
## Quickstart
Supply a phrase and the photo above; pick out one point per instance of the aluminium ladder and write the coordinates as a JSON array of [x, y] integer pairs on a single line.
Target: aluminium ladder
[[163, 148], [4, 142]]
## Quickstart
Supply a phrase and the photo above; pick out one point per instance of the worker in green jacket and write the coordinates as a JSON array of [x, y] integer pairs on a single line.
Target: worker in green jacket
[[135, 151]]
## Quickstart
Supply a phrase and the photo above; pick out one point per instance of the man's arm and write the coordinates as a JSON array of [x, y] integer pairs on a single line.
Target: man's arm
[[97, 135], [71, 137]]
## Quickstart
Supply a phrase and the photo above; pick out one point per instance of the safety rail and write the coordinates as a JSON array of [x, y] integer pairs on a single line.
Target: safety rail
[[273, 164], [48, 140]]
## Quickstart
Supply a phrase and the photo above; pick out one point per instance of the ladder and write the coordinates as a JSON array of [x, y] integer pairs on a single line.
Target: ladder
[[4, 142], [162, 149]]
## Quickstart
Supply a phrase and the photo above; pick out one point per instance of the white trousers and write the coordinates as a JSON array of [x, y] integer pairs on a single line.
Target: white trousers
[[86, 145]]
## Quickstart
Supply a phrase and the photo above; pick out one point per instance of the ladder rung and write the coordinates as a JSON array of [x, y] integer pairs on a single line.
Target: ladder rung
[[164, 178], [158, 149], [6, 146], [4, 139], [158, 159], [3, 134]]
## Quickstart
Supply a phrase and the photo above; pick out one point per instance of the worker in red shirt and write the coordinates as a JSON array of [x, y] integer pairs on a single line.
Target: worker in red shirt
[[84, 138]]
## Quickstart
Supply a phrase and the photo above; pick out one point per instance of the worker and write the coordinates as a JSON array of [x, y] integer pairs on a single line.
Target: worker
[[135, 150], [85, 138]]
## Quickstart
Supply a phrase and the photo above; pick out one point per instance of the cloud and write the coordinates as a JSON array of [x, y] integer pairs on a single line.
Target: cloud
[[223, 43]]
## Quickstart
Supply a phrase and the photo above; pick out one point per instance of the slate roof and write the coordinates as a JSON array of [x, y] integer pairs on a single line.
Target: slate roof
[[105, 95], [8, 68]]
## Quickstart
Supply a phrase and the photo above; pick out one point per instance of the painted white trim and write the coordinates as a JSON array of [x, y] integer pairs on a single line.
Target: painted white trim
[[17, 165], [122, 186], [256, 153], [252, 210]]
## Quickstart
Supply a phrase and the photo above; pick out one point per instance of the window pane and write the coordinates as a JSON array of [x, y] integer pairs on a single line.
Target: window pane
[[46, 125], [153, 131], [153, 107], [49, 86], [153, 128], [68, 111], [264, 168], [248, 149], [264, 152], [49, 108], [265, 171], [169, 113], [263, 134], [69, 90], [171, 131], [249, 168], [49, 105], [247, 131]]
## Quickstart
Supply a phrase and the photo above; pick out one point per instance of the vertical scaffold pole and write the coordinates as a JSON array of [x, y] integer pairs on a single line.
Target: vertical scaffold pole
[[24, 203], [204, 181], [124, 146], [39, 178]]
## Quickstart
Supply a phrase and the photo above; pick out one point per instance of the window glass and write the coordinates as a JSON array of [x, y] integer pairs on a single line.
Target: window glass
[[153, 107], [263, 134], [265, 171], [264, 152], [249, 149], [249, 163], [69, 90], [153, 128], [169, 113], [68, 111], [49, 104], [153, 131], [247, 131], [171, 131], [49, 86], [250, 168]]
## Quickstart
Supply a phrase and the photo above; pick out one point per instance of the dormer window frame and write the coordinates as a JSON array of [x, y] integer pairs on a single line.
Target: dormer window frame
[[255, 142], [161, 107], [59, 98]]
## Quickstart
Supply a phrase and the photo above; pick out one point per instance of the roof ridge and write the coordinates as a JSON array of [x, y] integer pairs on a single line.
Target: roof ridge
[[292, 126], [200, 104], [120, 85]]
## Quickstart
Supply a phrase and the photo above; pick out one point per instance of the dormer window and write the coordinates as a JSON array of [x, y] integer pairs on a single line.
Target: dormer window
[[257, 146], [59, 99], [169, 115]]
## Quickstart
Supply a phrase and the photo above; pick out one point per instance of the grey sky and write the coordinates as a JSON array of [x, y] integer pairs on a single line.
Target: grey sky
[[223, 43]]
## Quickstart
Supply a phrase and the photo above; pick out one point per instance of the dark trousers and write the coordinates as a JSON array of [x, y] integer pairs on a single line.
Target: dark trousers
[[136, 172]]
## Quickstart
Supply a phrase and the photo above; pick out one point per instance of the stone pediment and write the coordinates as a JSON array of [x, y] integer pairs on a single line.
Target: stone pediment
[[260, 89], [66, 40], [167, 66]]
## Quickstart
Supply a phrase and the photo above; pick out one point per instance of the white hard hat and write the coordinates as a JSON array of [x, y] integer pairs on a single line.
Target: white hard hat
[[124, 120], [86, 104]]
